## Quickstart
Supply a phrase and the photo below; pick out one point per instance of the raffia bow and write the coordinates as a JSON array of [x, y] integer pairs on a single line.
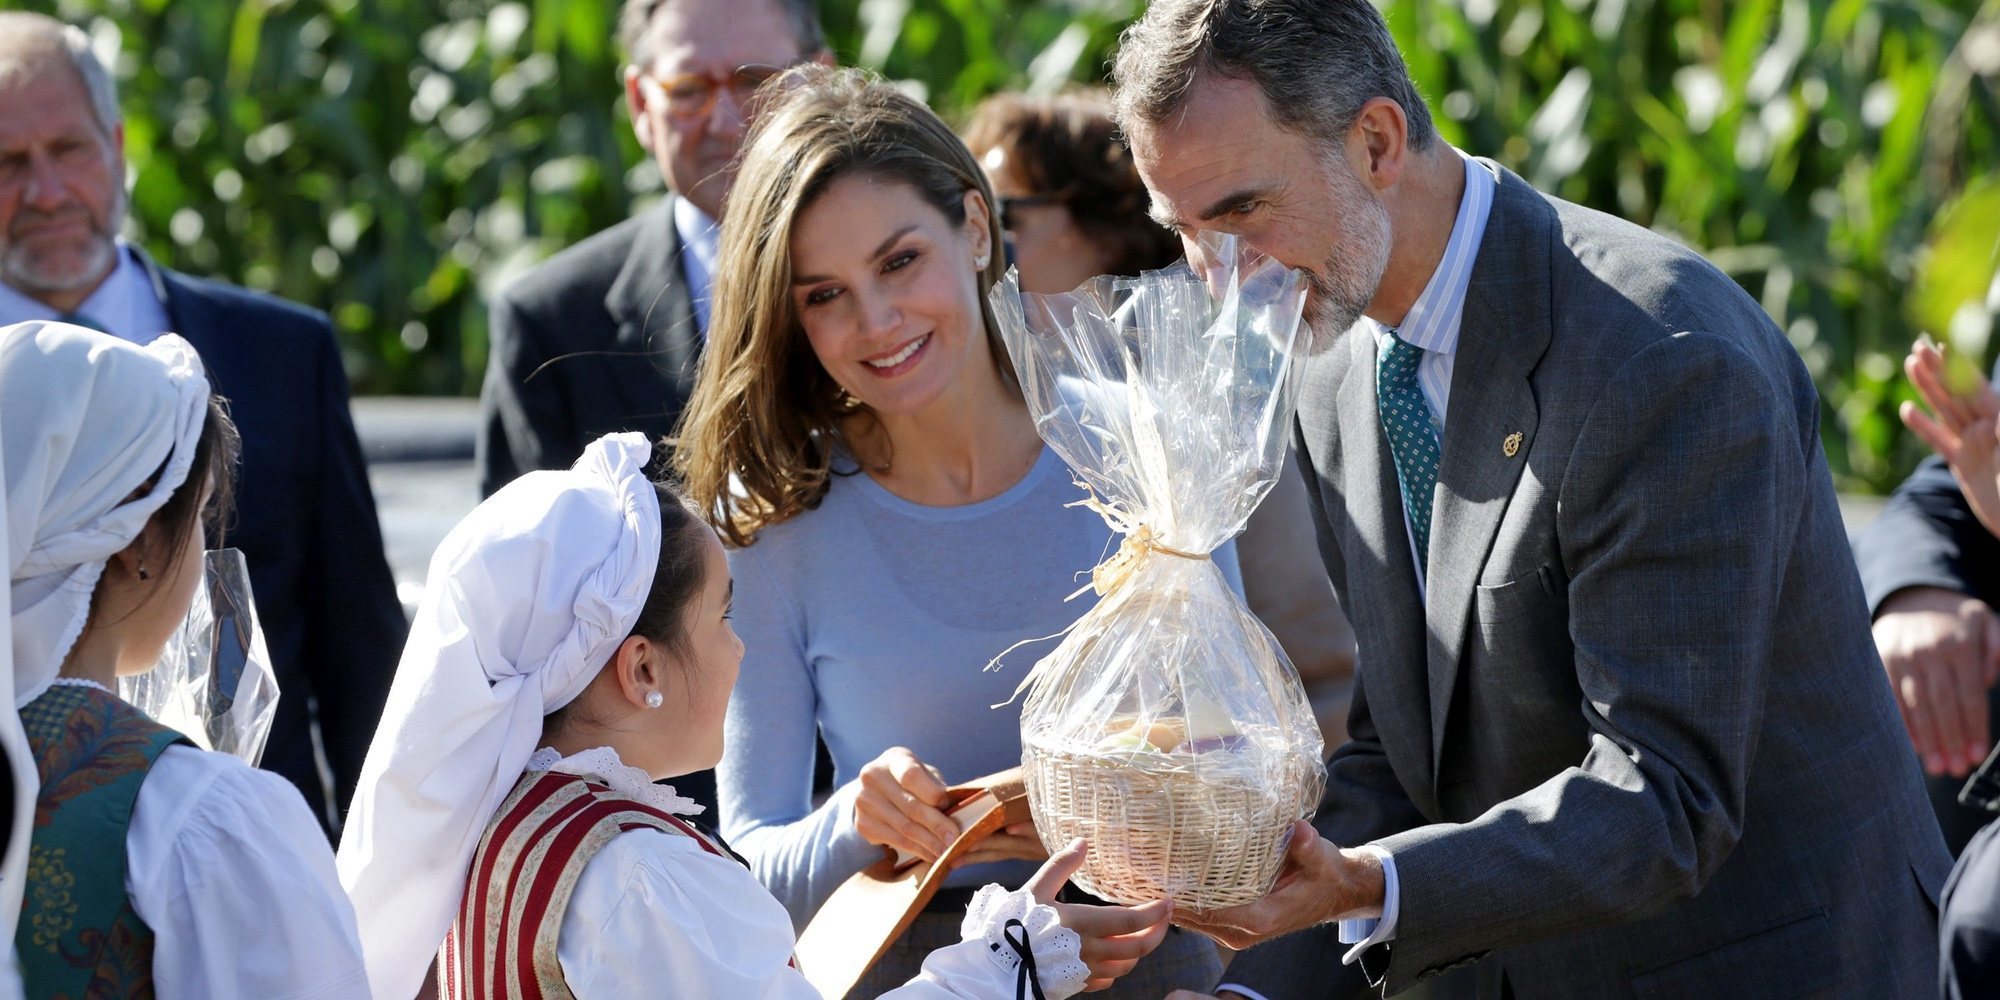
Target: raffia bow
[[1139, 544], [1107, 577]]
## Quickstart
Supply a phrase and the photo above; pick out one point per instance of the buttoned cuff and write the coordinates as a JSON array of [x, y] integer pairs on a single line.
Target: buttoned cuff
[[1367, 932]]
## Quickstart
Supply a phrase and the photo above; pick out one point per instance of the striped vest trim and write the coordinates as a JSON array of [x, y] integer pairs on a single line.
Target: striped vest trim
[[503, 944]]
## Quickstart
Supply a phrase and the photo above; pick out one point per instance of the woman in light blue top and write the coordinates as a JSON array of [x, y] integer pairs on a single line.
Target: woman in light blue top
[[896, 521]]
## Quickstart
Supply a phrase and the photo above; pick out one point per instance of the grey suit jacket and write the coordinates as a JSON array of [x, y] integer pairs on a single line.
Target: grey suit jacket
[[1639, 743], [599, 338]]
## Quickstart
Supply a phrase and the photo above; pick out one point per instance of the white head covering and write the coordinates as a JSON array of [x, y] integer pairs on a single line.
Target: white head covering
[[88, 420], [14, 866], [528, 598]]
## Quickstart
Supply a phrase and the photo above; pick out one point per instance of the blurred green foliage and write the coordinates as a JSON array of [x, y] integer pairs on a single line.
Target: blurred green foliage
[[394, 161]]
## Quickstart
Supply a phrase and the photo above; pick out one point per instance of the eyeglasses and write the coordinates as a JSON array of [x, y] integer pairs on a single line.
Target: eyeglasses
[[1009, 204], [692, 96]]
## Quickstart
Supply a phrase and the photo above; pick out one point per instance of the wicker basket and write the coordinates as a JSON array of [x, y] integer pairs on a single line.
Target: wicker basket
[[1178, 825]]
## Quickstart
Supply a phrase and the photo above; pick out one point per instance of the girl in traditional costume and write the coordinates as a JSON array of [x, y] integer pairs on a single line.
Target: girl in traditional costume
[[156, 869], [573, 646]]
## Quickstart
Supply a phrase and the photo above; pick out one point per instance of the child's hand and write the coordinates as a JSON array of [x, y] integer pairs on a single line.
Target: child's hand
[[1115, 938]]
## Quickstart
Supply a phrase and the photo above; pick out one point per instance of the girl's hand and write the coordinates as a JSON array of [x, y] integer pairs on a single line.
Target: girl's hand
[[899, 806], [1115, 938]]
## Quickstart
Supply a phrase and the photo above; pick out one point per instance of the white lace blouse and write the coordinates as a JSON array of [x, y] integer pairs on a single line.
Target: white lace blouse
[[656, 915]]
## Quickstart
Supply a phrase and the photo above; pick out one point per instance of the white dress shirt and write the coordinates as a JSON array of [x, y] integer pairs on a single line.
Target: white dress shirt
[[125, 305], [701, 241], [1432, 324], [230, 870]]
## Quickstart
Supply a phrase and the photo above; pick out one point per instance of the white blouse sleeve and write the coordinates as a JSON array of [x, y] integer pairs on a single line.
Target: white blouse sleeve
[[229, 869], [656, 916]]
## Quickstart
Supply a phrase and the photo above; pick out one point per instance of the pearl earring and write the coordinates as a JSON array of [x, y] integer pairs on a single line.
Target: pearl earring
[[980, 264], [654, 699]]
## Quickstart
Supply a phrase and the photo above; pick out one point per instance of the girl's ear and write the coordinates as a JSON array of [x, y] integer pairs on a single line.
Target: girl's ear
[[141, 554], [637, 669]]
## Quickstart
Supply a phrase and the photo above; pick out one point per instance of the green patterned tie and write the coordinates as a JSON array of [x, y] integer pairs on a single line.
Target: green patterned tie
[[79, 319], [1412, 434]]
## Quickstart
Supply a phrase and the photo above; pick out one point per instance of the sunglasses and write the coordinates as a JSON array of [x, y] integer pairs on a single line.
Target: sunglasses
[[692, 96], [1009, 204]]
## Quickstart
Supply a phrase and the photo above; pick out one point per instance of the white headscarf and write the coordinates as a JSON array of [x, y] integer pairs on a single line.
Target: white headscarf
[[527, 600], [88, 420], [85, 419], [14, 867]]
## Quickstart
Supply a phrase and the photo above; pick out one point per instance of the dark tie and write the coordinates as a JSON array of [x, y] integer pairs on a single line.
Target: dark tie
[[79, 319], [1412, 434]]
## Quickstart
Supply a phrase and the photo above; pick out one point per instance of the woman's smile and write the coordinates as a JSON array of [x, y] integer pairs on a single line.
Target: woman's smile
[[901, 360]]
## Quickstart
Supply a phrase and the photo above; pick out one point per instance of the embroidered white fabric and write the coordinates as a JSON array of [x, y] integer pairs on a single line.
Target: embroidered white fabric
[[1058, 950], [604, 764]]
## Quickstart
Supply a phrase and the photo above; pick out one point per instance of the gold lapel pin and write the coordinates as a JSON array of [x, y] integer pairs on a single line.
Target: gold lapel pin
[[1512, 445]]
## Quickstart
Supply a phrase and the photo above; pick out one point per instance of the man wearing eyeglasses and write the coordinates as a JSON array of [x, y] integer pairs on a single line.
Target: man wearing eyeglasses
[[604, 336]]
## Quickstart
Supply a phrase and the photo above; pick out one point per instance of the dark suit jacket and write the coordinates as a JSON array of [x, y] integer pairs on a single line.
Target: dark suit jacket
[[1638, 743], [600, 338], [305, 520]]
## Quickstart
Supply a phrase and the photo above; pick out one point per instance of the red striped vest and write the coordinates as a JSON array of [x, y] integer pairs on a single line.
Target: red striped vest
[[503, 944]]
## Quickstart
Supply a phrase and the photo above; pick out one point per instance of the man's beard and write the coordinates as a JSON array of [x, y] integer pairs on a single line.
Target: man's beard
[[24, 267], [1342, 288]]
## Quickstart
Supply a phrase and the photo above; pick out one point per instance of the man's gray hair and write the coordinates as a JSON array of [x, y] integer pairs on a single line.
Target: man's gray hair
[[635, 27], [24, 36], [1316, 61]]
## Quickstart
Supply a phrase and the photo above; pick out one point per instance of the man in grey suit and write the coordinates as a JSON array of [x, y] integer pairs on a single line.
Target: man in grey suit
[[1619, 728], [604, 336]]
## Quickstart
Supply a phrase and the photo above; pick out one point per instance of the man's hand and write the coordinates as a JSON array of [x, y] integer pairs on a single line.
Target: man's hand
[[1942, 651], [1320, 883], [1960, 428]]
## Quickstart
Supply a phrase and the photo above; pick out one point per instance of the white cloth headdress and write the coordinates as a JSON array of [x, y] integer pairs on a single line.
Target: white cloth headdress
[[527, 600], [89, 419], [85, 420]]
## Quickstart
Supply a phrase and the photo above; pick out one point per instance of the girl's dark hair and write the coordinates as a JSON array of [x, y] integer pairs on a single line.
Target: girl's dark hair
[[677, 581], [215, 456]]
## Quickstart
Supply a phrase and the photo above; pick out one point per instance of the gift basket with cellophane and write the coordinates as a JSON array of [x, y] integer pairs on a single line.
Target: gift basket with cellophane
[[1168, 727]]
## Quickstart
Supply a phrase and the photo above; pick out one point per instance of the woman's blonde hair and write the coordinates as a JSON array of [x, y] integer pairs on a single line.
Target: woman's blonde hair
[[757, 440]]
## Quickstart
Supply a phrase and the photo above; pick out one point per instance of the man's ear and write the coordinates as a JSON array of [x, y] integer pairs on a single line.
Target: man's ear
[[638, 89], [1380, 137]]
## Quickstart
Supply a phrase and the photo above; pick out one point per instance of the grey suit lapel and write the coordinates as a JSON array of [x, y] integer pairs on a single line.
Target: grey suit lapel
[[649, 300], [1382, 592], [1503, 337]]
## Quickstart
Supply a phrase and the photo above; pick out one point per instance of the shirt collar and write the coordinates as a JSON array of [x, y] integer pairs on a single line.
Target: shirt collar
[[117, 304], [1434, 319], [701, 236]]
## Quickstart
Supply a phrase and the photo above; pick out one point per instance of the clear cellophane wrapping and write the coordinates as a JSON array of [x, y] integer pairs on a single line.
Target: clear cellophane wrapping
[[214, 681], [1168, 728]]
